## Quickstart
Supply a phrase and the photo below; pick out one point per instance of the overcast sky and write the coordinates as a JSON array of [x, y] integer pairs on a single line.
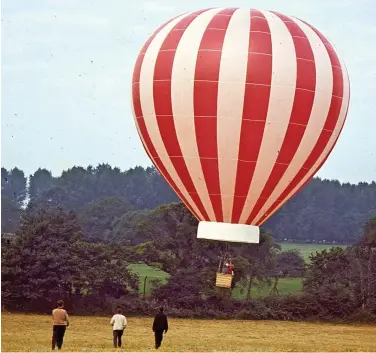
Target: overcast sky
[[67, 66]]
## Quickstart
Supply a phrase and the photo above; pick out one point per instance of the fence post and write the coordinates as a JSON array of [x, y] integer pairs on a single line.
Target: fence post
[[145, 285]]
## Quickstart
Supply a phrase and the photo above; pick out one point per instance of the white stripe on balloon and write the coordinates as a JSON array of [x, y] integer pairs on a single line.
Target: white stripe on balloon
[[281, 100], [182, 86], [231, 89], [319, 113], [332, 141], [148, 110]]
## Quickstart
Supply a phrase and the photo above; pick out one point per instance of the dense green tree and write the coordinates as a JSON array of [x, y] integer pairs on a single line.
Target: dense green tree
[[174, 246], [98, 216], [146, 189], [173, 243], [328, 268], [44, 261], [289, 263], [10, 216], [330, 281], [129, 229], [51, 198], [363, 270], [49, 260], [186, 288], [41, 181], [348, 276], [286, 263], [369, 237], [172, 231], [103, 272], [254, 262], [13, 186], [323, 211]]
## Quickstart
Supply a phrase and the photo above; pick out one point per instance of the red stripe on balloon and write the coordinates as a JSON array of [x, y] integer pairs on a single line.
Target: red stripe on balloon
[[136, 87], [146, 141], [205, 104], [255, 109], [137, 73], [328, 129], [310, 176], [300, 114], [163, 106]]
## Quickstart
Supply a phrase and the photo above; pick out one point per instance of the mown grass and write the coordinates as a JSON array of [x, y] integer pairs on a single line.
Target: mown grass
[[149, 273], [285, 285], [32, 333], [306, 250], [144, 270]]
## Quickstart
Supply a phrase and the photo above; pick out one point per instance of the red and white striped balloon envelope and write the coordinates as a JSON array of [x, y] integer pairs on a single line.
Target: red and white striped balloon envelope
[[238, 109]]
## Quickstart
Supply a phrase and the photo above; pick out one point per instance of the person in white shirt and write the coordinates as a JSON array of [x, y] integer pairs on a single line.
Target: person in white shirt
[[119, 323]]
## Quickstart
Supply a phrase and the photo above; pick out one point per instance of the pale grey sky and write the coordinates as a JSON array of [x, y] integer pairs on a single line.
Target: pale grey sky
[[67, 66]]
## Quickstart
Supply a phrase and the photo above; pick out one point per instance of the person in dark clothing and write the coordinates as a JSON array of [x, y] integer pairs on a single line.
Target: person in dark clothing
[[160, 325]]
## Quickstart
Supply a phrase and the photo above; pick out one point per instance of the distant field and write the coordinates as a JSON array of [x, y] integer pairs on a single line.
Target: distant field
[[285, 285], [32, 333], [144, 270], [152, 273], [307, 249]]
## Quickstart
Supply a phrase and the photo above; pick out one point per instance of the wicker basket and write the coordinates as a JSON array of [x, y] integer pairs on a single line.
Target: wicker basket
[[223, 280]]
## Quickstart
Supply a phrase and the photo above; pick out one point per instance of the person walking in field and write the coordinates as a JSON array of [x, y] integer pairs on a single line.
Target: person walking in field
[[119, 323], [160, 325], [60, 323]]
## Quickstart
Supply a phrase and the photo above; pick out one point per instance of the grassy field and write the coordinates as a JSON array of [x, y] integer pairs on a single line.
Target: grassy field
[[285, 285], [143, 271], [31, 333], [306, 250]]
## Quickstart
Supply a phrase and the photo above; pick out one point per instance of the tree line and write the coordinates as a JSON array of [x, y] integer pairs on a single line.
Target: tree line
[[49, 258], [107, 200]]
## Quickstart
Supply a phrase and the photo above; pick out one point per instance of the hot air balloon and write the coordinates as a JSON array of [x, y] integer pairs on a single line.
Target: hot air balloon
[[238, 109]]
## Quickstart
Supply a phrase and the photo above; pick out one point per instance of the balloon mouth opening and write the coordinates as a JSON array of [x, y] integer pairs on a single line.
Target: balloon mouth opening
[[228, 232]]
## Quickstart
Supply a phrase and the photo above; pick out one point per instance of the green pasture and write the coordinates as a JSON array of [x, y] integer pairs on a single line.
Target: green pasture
[[285, 285], [146, 275], [306, 250]]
